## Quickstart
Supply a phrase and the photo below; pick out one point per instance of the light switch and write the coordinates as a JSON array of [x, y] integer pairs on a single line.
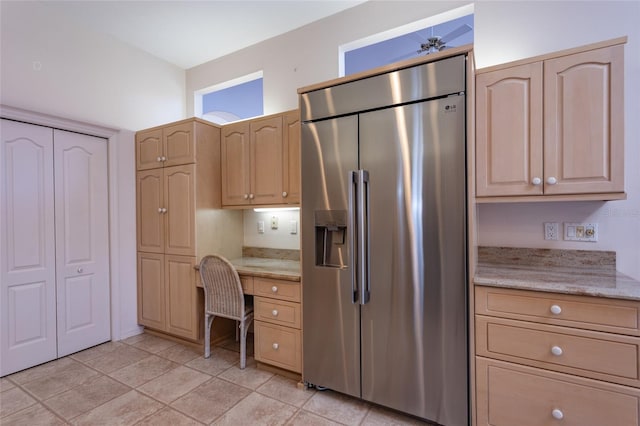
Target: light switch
[[261, 227], [293, 227]]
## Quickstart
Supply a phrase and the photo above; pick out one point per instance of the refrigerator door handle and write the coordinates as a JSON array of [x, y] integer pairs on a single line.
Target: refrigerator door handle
[[353, 234], [363, 235]]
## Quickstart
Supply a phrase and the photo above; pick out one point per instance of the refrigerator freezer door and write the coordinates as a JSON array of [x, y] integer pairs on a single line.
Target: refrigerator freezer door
[[331, 340], [414, 339]]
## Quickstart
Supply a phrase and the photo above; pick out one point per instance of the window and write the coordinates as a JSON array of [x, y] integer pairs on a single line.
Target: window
[[454, 27], [231, 101]]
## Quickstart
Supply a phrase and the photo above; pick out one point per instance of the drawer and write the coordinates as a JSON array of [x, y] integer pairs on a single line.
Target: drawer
[[277, 345], [587, 312], [247, 284], [508, 394], [277, 289], [277, 312], [587, 353]]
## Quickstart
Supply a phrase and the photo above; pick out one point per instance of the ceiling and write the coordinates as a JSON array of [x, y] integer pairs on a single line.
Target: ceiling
[[189, 33]]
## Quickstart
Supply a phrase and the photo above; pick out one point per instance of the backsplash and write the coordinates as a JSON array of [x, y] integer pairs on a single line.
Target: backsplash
[[271, 253], [280, 238]]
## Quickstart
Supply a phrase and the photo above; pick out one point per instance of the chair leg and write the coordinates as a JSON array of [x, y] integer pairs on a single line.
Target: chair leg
[[243, 346], [237, 330], [208, 319]]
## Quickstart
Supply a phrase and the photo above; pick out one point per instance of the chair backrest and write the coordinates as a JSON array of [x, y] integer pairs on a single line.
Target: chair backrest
[[222, 288]]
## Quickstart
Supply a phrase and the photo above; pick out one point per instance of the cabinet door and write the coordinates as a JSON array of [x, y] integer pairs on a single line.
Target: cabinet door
[[235, 164], [584, 128], [150, 216], [149, 149], [151, 291], [82, 241], [266, 161], [291, 159], [179, 144], [179, 218], [27, 247], [181, 296], [509, 131]]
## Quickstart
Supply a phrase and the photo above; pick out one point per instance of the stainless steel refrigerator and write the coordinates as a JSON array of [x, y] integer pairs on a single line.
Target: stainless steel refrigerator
[[384, 239]]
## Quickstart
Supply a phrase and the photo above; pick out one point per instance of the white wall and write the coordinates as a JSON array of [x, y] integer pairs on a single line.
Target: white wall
[[504, 31], [280, 238], [54, 67]]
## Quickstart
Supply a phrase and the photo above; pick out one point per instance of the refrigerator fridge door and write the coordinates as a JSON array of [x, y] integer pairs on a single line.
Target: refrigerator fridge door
[[414, 340], [331, 343]]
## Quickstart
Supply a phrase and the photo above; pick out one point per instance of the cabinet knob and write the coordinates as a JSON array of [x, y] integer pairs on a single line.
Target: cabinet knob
[[251, 196], [79, 270], [557, 414], [536, 181], [556, 350], [159, 159], [274, 312], [275, 346], [555, 309], [159, 209], [164, 210], [164, 158], [551, 180], [284, 194], [246, 196], [274, 289]]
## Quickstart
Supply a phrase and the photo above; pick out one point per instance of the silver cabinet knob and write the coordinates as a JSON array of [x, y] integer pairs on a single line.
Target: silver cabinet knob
[[251, 196], [80, 270], [557, 414], [556, 350], [275, 346], [274, 289], [536, 181], [551, 180], [274, 312], [159, 159], [284, 194], [159, 209], [555, 309], [246, 196], [164, 158]]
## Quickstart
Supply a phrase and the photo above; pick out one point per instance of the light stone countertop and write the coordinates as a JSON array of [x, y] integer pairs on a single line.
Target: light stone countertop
[[278, 269], [577, 272]]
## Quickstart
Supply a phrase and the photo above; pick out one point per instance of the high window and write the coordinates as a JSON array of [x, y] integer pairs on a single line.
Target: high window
[[450, 29], [232, 100]]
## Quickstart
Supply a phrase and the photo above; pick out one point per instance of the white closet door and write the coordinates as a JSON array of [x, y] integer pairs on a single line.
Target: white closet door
[[82, 241], [27, 247]]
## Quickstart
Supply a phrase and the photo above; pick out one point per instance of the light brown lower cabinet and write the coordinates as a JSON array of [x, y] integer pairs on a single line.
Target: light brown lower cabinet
[[277, 322], [549, 359]]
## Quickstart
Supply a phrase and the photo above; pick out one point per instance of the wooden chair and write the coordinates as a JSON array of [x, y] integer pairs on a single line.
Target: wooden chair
[[223, 297]]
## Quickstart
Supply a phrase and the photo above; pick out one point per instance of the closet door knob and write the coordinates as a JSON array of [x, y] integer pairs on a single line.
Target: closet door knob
[[555, 309], [536, 181], [79, 270], [551, 180]]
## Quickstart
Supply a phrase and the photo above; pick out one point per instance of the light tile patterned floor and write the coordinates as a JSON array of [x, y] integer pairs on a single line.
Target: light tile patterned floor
[[147, 380]]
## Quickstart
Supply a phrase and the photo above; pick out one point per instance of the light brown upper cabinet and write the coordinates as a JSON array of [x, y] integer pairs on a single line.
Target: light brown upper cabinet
[[169, 146], [552, 127], [261, 161]]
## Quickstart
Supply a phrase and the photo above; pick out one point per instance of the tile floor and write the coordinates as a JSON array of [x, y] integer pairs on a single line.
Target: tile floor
[[146, 380]]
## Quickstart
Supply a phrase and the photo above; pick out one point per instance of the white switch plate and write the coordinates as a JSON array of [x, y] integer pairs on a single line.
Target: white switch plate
[[261, 227], [581, 232], [293, 227]]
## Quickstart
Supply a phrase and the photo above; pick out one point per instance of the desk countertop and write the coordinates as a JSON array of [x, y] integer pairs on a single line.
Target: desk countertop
[[278, 269]]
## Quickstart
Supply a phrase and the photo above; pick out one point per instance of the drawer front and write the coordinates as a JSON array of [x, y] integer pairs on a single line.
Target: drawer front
[[277, 289], [509, 395], [587, 353], [277, 312], [277, 345], [587, 312]]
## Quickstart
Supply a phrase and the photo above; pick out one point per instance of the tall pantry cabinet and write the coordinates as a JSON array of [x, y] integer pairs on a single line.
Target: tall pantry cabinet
[[178, 222], [54, 249]]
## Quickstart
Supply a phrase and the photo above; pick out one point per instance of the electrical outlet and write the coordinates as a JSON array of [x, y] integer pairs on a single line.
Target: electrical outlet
[[274, 222], [550, 231], [581, 232]]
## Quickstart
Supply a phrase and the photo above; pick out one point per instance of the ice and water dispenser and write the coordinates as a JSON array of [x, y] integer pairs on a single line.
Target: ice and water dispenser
[[331, 238]]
